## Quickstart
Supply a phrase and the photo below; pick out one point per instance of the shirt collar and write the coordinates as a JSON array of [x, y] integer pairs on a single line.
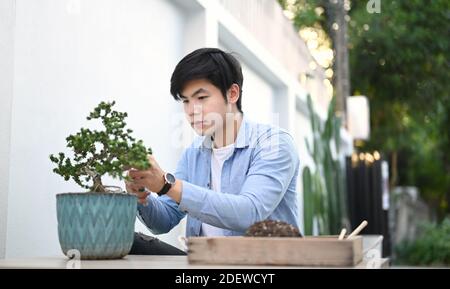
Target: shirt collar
[[242, 139]]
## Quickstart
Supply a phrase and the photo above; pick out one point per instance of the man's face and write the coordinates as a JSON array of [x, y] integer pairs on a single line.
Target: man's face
[[204, 106]]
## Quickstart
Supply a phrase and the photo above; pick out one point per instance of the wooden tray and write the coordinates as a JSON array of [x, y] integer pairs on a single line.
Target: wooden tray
[[308, 251]]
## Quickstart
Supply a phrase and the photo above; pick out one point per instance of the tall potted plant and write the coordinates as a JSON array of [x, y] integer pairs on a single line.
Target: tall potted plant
[[323, 188], [99, 223]]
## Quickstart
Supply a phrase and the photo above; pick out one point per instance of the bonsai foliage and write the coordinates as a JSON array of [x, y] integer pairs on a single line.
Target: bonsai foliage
[[96, 153]]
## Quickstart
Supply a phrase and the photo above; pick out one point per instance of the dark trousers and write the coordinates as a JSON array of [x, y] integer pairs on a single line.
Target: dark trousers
[[147, 245]]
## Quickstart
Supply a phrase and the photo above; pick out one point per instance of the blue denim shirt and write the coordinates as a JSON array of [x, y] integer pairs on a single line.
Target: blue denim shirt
[[258, 182]]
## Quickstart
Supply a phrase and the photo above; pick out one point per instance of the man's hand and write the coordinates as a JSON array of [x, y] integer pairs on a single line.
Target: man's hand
[[142, 195], [143, 181]]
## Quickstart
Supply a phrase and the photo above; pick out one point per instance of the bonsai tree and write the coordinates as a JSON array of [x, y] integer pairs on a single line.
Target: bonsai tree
[[96, 153]]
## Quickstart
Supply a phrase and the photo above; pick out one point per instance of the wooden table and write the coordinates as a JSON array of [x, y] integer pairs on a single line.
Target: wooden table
[[137, 262]]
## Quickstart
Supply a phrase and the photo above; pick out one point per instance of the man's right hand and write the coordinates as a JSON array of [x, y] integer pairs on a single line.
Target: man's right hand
[[141, 193]]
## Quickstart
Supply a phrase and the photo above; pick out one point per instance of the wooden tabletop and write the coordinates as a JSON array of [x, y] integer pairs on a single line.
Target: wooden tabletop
[[141, 262]]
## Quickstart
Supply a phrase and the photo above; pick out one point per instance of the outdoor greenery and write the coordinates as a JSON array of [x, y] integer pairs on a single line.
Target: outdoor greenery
[[323, 186], [96, 153], [431, 248], [399, 60]]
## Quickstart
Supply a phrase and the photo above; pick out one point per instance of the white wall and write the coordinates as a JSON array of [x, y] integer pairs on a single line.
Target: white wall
[[267, 24], [66, 60], [6, 94], [257, 99]]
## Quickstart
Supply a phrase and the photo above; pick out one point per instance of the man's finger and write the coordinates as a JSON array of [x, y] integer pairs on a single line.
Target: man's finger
[[139, 184], [128, 186], [141, 195], [132, 188], [136, 174], [135, 187]]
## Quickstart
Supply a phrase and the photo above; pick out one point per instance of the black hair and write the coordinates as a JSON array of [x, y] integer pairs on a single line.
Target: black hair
[[216, 66]]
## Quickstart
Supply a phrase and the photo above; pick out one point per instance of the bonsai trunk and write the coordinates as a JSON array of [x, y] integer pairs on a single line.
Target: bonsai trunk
[[98, 186]]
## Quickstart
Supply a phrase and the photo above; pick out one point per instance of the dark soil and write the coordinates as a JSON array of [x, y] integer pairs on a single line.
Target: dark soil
[[271, 228]]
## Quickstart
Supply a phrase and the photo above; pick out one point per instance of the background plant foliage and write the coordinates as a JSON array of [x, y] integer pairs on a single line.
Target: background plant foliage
[[323, 186], [96, 153], [401, 63], [399, 60], [431, 248]]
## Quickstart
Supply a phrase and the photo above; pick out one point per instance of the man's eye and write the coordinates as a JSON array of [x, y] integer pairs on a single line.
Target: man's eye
[[185, 101], [202, 97]]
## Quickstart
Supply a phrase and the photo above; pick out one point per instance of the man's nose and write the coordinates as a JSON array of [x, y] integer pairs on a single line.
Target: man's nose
[[194, 109]]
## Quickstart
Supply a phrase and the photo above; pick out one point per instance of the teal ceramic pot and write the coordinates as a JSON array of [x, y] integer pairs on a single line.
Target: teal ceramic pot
[[98, 225]]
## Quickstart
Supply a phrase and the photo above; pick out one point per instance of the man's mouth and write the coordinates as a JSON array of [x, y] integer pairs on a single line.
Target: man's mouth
[[202, 125], [198, 123]]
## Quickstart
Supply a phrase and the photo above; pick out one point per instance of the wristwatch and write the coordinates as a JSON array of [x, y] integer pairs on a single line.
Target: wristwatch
[[169, 181]]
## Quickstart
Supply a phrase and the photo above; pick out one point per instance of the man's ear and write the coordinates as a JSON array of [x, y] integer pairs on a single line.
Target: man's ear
[[233, 93]]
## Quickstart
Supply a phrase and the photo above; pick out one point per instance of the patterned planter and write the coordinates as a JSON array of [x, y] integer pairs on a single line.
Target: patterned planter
[[98, 225]]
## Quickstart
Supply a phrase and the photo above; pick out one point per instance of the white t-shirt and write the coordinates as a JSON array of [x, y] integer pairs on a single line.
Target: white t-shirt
[[218, 157]]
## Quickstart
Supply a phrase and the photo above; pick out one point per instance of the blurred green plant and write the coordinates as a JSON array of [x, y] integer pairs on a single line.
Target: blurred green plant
[[323, 188], [432, 247], [96, 153], [307, 13], [399, 59]]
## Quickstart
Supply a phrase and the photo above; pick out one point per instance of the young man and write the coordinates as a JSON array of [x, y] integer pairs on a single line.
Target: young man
[[234, 174]]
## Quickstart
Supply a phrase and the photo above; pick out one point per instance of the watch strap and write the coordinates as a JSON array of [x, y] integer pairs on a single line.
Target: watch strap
[[165, 189]]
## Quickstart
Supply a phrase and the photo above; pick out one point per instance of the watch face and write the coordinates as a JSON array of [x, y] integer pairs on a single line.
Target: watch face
[[170, 178]]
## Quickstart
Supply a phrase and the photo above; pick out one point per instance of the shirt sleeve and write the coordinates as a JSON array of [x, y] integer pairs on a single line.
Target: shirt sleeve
[[271, 171]]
